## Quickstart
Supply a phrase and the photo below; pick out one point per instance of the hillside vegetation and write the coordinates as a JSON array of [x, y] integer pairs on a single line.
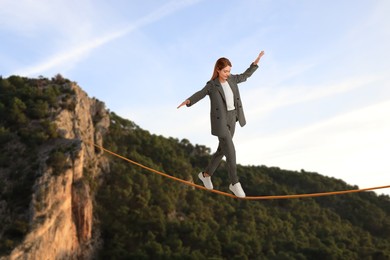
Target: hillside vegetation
[[141, 215], [144, 216]]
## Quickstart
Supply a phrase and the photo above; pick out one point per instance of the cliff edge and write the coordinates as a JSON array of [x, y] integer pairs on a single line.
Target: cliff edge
[[60, 214]]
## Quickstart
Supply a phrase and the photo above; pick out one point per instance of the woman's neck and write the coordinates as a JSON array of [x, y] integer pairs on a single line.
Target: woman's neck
[[222, 80]]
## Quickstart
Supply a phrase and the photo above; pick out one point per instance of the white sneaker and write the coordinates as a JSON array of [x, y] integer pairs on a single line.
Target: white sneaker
[[206, 181], [237, 190]]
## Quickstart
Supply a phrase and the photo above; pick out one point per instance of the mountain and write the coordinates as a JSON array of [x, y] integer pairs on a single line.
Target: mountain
[[62, 198]]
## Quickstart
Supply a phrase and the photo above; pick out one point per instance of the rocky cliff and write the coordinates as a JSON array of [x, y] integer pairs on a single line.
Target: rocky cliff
[[61, 210]]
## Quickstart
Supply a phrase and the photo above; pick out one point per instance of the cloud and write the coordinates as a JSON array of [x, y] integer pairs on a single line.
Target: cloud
[[28, 18], [272, 98], [348, 146], [69, 57]]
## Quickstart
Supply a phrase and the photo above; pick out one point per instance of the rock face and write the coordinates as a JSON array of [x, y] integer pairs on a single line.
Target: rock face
[[61, 210]]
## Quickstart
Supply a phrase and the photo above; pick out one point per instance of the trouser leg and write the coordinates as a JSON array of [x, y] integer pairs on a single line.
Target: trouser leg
[[215, 160], [226, 148], [230, 153]]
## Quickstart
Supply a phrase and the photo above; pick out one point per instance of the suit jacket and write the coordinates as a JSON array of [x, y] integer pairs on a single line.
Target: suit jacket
[[218, 109]]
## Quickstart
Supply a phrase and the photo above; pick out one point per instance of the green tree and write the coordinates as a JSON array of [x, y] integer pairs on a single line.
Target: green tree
[[16, 113]]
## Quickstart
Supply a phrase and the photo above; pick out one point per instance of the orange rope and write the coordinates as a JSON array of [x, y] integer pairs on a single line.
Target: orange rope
[[248, 197]]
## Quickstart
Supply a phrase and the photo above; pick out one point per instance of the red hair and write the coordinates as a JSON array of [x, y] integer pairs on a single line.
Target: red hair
[[219, 65]]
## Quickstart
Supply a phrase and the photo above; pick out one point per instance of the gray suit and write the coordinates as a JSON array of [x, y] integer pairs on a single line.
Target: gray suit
[[222, 121]]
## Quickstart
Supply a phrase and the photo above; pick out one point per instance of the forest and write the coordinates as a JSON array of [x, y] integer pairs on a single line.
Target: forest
[[156, 218], [142, 215]]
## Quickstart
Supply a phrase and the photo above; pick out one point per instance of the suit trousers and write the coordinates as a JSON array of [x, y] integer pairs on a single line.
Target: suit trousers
[[226, 148]]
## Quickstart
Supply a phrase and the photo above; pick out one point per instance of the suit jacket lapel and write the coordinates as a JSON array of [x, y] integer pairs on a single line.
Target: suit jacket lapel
[[220, 89]]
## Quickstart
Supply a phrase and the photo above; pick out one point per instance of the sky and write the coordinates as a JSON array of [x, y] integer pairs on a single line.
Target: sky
[[319, 102]]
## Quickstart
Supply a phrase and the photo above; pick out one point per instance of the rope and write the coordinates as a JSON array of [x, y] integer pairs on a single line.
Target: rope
[[320, 194]]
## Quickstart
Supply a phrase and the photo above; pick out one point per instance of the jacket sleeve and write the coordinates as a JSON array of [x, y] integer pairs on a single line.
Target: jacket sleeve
[[247, 73], [200, 94]]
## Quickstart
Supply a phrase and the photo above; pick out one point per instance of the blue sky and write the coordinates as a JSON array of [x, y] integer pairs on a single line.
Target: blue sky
[[320, 100]]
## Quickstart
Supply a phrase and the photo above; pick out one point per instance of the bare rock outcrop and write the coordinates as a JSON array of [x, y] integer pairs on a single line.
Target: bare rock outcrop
[[61, 210]]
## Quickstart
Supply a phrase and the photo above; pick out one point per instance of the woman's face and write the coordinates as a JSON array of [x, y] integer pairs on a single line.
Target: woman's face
[[224, 73]]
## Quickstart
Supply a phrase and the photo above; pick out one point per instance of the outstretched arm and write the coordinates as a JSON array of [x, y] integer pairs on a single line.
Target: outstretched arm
[[258, 58], [253, 67], [197, 96]]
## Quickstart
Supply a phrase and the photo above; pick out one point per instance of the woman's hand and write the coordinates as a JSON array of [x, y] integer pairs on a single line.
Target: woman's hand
[[187, 102], [258, 58]]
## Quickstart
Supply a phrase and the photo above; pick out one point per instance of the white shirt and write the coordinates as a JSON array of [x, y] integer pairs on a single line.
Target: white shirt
[[228, 96]]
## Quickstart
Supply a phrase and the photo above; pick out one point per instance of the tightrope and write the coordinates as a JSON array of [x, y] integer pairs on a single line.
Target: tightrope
[[268, 197]]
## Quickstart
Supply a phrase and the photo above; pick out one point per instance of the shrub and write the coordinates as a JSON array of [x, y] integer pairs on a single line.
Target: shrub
[[58, 161], [39, 109]]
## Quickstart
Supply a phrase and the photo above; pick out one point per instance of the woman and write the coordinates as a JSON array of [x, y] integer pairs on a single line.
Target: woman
[[226, 109]]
